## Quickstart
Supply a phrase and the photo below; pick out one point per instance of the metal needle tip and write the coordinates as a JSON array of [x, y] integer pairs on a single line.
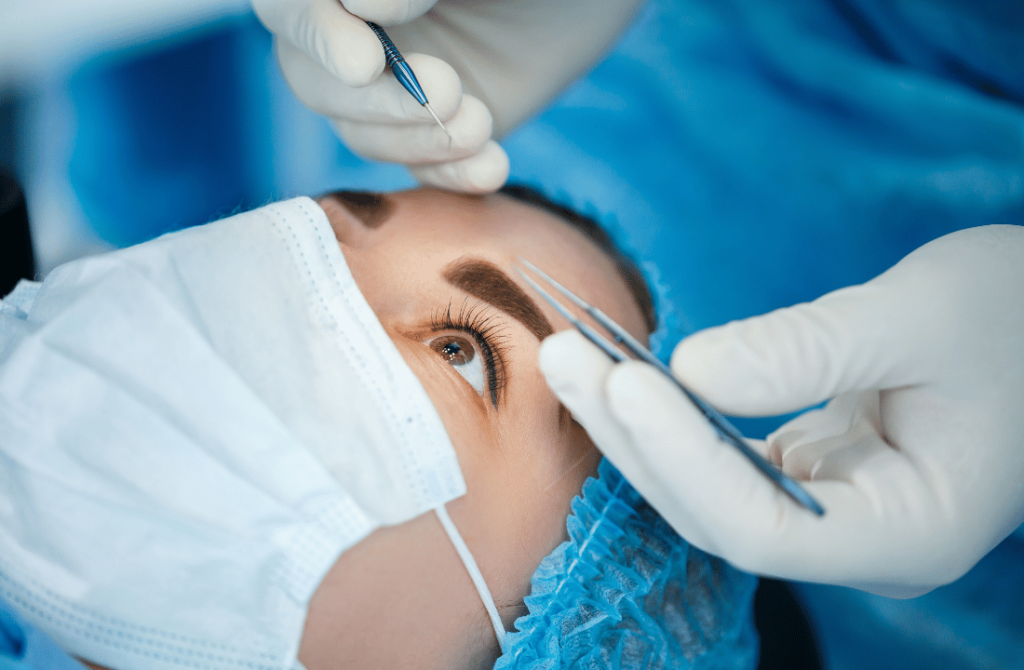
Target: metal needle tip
[[431, 110]]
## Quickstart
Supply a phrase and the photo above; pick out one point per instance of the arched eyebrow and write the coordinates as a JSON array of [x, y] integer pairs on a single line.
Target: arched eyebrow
[[486, 281]]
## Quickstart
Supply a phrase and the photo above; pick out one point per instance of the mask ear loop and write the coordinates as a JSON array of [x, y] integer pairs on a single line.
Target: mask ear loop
[[474, 574]]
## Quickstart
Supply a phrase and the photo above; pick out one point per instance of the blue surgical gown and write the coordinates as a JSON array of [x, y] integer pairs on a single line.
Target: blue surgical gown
[[755, 154]]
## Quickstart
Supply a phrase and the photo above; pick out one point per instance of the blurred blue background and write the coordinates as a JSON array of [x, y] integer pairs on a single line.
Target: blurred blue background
[[752, 154]]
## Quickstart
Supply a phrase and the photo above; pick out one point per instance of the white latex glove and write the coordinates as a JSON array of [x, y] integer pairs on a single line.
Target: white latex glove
[[511, 56], [919, 460]]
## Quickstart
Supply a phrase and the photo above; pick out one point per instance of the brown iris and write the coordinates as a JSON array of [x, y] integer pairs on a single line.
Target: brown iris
[[456, 350]]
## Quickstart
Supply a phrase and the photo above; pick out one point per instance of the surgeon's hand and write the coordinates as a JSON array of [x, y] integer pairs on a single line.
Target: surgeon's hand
[[485, 65], [918, 459]]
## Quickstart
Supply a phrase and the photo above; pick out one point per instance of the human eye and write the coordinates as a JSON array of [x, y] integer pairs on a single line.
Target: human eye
[[474, 347]]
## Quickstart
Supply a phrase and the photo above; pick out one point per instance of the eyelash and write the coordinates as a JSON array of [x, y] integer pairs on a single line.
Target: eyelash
[[486, 331]]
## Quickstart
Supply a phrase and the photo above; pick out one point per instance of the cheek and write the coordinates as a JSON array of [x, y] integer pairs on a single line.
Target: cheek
[[464, 418], [521, 469], [400, 598], [520, 489]]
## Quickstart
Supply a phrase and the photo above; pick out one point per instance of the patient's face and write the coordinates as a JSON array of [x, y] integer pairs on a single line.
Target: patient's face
[[437, 269]]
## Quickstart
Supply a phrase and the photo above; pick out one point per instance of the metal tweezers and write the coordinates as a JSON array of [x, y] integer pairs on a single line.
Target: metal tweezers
[[726, 430]]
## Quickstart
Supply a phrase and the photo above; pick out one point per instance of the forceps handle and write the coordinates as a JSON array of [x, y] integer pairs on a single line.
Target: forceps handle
[[730, 434], [725, 430]]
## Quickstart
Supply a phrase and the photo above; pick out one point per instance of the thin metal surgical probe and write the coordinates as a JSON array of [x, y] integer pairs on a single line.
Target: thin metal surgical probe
[[403, 73], [726, 430]]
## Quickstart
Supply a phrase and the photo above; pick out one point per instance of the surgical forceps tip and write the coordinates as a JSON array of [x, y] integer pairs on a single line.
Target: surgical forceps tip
[[592, 335], [726, 431]]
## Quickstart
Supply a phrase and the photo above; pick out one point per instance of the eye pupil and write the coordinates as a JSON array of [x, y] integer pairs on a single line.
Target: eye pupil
[[455, 350]]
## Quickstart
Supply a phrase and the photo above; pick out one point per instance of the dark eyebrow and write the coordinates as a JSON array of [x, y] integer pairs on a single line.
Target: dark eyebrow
[[485, 281], [373, 209]]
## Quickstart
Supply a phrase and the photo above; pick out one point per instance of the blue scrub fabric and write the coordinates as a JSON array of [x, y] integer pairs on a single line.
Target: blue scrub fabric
[[754, 154], [24, 647]]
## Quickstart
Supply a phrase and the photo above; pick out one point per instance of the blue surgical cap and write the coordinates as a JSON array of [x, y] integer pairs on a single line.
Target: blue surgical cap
[[625, 592]]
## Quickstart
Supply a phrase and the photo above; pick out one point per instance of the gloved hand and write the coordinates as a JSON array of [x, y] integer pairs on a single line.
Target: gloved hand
[[512, 57], [919, 459]]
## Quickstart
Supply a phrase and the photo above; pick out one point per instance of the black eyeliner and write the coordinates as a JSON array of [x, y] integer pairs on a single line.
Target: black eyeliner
[[474, 321]]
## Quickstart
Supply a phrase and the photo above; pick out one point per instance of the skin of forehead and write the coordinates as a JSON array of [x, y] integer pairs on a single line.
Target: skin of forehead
[[498, 229]]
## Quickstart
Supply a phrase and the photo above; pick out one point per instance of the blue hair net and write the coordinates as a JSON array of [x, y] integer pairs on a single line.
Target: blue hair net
[[626, 592]]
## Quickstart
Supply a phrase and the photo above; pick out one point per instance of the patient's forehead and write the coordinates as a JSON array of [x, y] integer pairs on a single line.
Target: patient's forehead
[[429, 221], [492, 214], [441, 226], [434, 208]]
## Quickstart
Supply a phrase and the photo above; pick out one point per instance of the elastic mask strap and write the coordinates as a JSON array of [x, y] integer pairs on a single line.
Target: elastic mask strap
[[474, 574]]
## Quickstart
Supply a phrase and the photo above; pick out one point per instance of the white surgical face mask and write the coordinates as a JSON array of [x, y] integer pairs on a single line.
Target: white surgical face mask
[[191, 431]]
